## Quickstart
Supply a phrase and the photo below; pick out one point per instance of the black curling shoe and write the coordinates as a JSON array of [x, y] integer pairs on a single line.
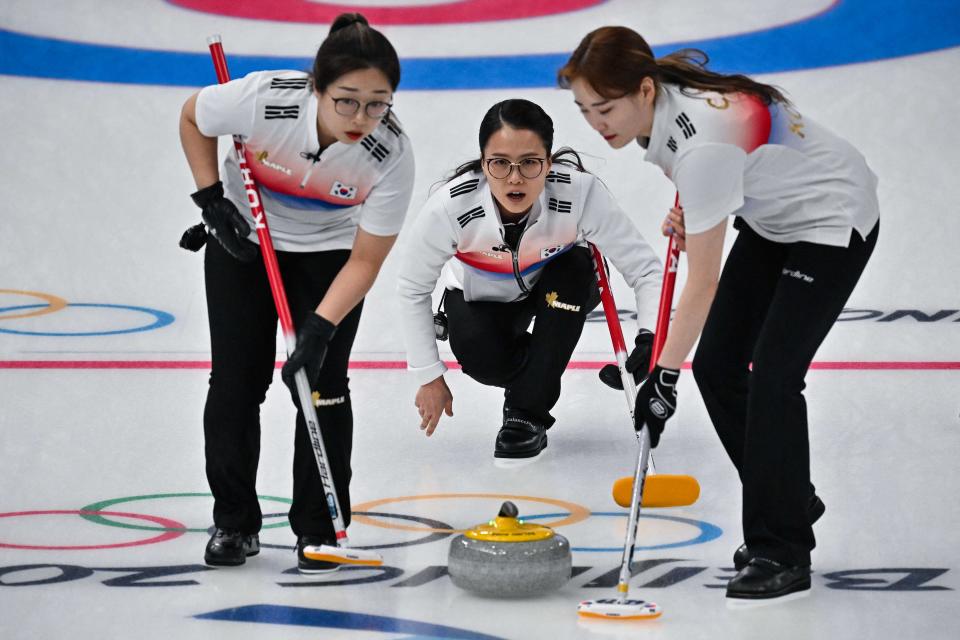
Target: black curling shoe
[[309, 566], [764, 579], [815, 509], [520, 438], [230, 548]]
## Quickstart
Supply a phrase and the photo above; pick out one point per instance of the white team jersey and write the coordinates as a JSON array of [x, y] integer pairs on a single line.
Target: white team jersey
[[314, 202], [459, 233], [789, 178]]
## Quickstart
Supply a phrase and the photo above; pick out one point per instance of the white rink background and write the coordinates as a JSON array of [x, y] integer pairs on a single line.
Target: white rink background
[[95, 194]]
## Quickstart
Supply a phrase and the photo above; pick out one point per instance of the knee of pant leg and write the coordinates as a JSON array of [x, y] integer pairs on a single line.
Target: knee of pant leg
[[244, 385], [704, 369], [701, 372], [490, 373], [491, 365], [713, 374], [774, 376]]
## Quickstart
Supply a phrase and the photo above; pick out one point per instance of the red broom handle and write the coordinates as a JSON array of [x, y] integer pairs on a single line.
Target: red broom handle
[[666, 296], [256, 209]]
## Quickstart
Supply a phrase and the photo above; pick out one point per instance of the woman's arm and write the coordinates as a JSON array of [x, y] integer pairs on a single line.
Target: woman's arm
[[200, 150], [357, 275], [704, 256]]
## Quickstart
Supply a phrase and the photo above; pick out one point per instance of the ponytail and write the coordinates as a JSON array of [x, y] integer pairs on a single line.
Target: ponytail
[[353, 45]]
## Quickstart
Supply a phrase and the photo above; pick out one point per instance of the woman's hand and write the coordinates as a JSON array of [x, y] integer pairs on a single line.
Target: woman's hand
[[673, 225], [433, 400]]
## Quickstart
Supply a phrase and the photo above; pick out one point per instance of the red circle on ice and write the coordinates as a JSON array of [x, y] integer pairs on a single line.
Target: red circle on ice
[[452, 12], [175, 530]]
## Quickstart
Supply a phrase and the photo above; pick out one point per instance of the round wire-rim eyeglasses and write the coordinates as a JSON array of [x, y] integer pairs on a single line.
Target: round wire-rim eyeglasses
[[501, 168], [376, 109]]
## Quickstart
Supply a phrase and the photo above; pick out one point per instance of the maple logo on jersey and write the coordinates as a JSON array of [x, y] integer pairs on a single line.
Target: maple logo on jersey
[[549, 252], [554, 303], [262, 159], [341, 190]]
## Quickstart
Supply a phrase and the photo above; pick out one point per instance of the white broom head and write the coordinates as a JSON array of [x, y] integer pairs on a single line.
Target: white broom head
[[615, 609], [343, 555]]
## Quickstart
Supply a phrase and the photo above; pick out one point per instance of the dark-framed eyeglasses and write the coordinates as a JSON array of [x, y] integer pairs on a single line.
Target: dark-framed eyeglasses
[[501, 168], [376, 109]]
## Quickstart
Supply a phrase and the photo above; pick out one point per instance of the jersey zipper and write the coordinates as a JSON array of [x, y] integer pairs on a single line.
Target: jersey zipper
[[516, 257], [315, 158]]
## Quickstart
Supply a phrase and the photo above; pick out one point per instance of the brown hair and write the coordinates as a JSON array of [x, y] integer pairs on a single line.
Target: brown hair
[[614, 60]]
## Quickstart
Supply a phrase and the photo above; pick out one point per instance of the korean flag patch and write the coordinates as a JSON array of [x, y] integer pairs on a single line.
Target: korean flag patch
[[341, 190], [549, 252]]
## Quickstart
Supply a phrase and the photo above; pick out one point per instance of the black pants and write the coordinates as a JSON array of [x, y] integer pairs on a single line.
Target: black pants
[[774, 306], [243, 337], [491, 342]]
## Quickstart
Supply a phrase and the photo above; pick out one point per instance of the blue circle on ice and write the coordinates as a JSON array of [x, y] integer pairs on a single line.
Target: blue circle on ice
[[160, 319], [707, 531], [848, 32]]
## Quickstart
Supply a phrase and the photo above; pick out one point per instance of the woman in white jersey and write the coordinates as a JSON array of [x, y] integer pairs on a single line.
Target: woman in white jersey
[[335, 172], [507, 235], [805, 206]]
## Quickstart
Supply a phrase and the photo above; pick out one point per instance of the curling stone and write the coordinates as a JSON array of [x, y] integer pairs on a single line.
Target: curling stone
[[508, 557]]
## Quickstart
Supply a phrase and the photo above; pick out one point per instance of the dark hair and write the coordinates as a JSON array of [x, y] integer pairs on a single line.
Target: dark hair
[[518, 113], [352, 45], [614, 60]]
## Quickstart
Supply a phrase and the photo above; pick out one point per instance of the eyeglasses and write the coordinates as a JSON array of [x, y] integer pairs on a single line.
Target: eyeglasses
[[501, 168], [348, 107]]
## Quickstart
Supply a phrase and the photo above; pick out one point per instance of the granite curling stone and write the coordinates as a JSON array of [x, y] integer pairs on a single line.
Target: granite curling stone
[[508, 557]]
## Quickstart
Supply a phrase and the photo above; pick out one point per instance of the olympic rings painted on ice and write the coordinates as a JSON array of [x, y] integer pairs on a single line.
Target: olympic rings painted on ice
[[54, 303], [171, 529], [437, 530], [707, 533], [93, 512], [576, 513], [161, 319], [449, 12], [432, 533]]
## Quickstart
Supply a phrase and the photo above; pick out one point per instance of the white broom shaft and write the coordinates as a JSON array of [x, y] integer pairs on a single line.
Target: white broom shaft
[[639, 478], [643, 436]]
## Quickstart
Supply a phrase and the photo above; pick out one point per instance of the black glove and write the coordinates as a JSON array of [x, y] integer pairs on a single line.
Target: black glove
[[225, 222], [312, 342], [638, 362], [656, 402], [194, 238]]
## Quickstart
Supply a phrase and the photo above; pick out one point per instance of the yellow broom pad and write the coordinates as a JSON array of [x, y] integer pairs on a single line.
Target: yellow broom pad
[[659, 490]]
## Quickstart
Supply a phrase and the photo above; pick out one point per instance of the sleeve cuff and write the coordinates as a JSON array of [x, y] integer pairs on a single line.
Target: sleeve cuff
[[423, 375]]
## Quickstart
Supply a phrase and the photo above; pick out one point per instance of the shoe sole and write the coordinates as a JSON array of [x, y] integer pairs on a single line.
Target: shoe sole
[[741, 603], [500, 456], [514, 462], [798, 589], [220, 563]]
